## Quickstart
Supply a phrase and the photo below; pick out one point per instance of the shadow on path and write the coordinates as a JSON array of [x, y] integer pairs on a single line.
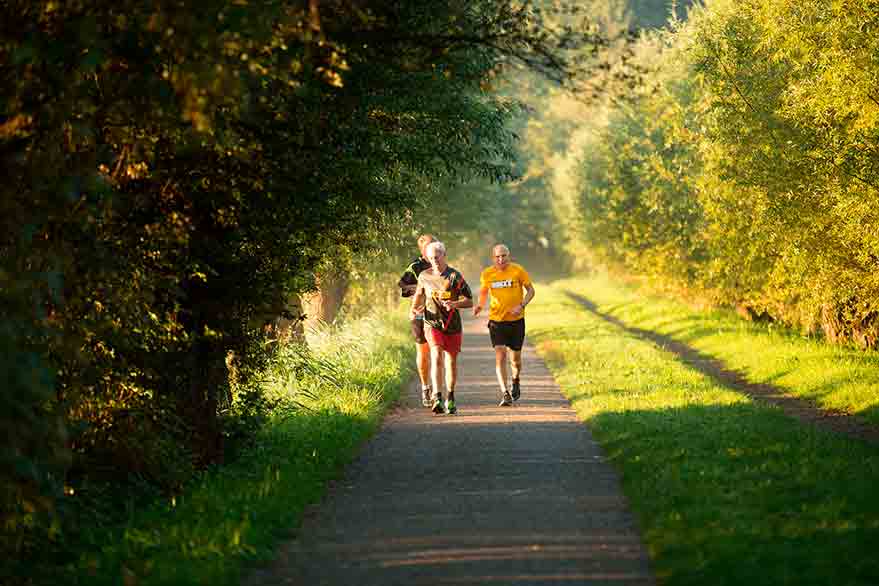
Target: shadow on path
[[801, 409]]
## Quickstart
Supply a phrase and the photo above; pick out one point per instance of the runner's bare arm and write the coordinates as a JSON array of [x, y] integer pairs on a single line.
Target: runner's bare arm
[[418, 300], [483, 297], [461, 303], [529, 295]]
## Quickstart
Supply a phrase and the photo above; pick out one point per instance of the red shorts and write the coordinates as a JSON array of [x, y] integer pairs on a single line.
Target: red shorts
[[451, 343]]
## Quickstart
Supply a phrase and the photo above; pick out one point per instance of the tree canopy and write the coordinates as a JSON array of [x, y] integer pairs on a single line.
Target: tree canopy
[[176, 171], [740, 165]]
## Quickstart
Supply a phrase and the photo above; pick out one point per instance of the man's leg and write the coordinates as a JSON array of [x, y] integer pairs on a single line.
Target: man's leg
[[451, 371], [517, 338], [516, 362], [437, 375], [423, 360], [516, 366], [500, 368], [423, 363], [451, 380]]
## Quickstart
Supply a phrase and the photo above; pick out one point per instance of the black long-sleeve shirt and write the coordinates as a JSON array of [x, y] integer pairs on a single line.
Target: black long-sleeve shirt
[[410, 276]]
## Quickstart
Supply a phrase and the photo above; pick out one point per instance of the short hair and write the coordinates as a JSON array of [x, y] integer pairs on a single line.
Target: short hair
[[435, 245], [424, 240], [500, 245]]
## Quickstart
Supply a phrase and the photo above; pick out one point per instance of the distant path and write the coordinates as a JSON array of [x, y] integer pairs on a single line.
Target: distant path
[[507, 496], [801, 409]]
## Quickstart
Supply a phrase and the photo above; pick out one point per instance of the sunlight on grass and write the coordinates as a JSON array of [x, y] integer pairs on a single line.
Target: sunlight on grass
[[727, 491], [236, 515], [835, 377]]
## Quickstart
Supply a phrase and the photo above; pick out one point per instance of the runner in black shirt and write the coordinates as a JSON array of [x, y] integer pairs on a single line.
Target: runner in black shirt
[[407, 284]]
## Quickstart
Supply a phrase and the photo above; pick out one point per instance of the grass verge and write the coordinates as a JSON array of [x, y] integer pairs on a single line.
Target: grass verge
[[832, 376], [235, 515], [727, 491]]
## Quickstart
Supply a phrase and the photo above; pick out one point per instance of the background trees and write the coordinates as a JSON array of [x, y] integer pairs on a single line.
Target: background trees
[[797, 125], [738, 164]]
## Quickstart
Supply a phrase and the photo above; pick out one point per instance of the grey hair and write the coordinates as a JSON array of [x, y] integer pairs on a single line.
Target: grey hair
[[435, 245]]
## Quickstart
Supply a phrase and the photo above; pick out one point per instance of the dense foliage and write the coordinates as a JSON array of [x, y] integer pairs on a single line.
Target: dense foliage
[[742, 165], [535, 207], [175, 173]]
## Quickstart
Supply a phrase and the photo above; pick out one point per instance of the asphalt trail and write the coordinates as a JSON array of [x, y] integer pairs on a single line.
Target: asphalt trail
[[517, 496]]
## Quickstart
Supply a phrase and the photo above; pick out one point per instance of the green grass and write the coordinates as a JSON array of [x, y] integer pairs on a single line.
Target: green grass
[[235, 515], [727, 491], [834, 377]]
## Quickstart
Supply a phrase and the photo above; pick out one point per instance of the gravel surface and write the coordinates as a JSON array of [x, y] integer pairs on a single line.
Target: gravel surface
[[515, 495]]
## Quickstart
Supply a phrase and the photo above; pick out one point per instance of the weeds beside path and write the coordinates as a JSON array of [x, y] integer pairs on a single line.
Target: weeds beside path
[[728, 490], [234, 515]]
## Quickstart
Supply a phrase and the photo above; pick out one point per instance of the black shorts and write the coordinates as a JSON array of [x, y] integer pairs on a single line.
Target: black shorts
[[507, 333], [418, 331]]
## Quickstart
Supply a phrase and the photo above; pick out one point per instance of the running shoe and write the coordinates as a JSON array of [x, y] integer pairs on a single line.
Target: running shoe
[[516, 391], [438, 406], [425, 397], [451, 409], [507, 400]]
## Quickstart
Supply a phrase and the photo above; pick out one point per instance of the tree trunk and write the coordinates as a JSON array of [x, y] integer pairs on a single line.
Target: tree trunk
[[323, 305], [208, 379], [290, 327]]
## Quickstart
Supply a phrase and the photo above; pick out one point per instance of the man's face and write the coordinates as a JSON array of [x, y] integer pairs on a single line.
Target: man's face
[[437, 259], [501, 257], [424, 246]]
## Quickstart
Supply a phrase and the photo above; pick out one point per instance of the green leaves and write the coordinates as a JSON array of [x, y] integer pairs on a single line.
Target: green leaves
[[181, 174], [743, 165], [793, 142]]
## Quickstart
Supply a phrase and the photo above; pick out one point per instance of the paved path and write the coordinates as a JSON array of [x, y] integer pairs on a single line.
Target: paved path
[[513, 496]]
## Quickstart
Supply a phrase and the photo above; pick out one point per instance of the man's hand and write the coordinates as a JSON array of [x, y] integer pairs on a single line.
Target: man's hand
[[517, 310], [480, 303]]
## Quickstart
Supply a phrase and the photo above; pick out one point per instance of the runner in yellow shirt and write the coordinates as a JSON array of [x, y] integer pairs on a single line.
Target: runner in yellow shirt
[[511, 290]]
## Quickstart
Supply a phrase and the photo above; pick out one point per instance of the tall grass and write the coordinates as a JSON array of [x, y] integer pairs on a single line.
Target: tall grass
[[332, 397]]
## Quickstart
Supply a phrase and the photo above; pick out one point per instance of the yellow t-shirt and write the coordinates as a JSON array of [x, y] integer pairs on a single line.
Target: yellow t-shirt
[[506, 288]]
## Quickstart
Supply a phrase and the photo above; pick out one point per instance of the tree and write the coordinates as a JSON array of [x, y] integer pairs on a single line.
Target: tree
[[177, 173]]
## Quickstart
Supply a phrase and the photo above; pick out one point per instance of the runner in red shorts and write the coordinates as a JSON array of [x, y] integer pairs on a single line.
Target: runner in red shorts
[[441, 291]]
